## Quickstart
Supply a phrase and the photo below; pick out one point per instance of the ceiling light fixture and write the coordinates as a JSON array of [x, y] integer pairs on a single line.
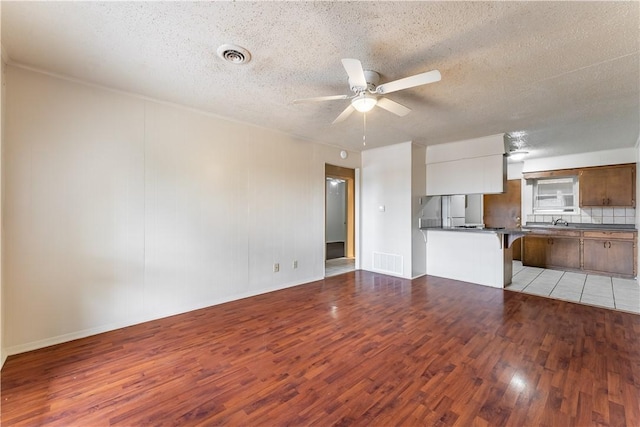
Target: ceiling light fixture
[[364, 102], [518, 155], [518, 143], [517, 135]]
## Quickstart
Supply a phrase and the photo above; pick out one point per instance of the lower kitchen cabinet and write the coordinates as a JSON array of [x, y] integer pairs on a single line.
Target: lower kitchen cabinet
[[546, 251], [564, 253], [534, 251], [609, 253], [605, 252]]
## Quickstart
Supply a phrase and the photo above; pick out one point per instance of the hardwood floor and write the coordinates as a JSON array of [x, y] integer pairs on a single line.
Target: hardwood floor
[[355, 349]]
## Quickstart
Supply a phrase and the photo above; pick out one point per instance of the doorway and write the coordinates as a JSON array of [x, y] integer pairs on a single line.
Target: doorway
[[339, 220]]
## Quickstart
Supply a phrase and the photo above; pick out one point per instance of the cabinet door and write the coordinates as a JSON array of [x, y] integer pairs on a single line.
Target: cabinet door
[[613, 186], [609, 256], [534, 251], [563, 253], [620, 187], [593, 187], [595, 255], [620, 257]]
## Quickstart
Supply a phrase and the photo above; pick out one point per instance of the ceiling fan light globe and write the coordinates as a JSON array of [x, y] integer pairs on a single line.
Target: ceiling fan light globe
[[364, 103]]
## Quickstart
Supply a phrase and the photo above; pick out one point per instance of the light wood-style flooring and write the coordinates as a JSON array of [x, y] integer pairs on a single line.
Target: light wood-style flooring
[[356, 349]]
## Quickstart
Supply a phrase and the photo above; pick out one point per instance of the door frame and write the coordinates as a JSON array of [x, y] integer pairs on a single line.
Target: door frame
[[349, 176]]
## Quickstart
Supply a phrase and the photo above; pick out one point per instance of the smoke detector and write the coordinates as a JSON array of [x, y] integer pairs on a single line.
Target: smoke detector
[[234, 54]]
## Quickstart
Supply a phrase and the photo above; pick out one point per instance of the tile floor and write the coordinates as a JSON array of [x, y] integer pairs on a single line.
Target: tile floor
[[333, 267], [602, 291], [592, 289]]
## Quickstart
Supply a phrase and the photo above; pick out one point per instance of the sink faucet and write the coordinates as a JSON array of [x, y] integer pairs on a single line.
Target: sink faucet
[[560, 221]]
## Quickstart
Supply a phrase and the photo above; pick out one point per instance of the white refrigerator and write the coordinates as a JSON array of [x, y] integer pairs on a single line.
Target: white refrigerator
[[457, 206]]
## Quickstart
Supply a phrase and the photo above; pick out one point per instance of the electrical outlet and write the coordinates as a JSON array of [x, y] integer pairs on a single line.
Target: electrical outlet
[[295, 264], [276, 267]]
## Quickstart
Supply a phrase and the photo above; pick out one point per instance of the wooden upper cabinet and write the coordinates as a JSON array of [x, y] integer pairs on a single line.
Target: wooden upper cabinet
[[621, 189], [612, 186], [593, 187]]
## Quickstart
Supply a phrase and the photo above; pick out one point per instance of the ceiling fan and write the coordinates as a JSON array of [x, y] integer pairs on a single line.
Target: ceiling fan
[[367, 93]]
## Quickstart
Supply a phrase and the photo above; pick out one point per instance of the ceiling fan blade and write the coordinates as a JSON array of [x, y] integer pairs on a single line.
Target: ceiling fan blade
[[413, 81], [354, 70], [320, 98], [394, 107], [346, 113]]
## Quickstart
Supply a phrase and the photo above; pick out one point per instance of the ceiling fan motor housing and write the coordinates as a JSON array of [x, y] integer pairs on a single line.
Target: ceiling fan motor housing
[[372, 78]]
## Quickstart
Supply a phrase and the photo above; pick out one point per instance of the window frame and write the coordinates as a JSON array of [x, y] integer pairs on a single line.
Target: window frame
[[557, 210]]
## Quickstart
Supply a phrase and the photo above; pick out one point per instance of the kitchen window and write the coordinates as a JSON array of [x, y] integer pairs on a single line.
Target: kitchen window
[[556, 195]]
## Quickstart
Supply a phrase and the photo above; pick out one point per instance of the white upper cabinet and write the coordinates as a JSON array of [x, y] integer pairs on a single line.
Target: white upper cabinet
[[467, 167]]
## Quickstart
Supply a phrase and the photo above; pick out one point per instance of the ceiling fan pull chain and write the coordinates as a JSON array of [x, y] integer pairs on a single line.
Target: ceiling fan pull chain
[[364, 134]]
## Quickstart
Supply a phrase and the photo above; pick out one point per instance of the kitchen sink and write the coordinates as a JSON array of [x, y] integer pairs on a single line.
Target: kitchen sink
[[559, 226], [574, 226]]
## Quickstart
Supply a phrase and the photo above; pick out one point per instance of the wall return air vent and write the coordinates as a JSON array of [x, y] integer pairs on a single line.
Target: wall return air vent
[[387, 263]]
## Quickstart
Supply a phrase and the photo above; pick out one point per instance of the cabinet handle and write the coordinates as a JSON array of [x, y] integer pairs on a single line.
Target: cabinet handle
[[603, 201], [609, 245], [608, 201], [605, 245]]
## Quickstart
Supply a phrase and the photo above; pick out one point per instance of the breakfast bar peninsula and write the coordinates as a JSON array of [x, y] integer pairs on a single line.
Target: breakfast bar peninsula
[[476, 255]]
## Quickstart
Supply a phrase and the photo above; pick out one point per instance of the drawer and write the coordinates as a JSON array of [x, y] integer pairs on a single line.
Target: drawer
[[554, 233], [623, 235]]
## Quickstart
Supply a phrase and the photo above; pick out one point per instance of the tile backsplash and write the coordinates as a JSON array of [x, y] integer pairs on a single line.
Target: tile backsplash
[[593, 216]]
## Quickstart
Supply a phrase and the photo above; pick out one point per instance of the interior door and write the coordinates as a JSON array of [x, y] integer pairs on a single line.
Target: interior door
[[504, 210]]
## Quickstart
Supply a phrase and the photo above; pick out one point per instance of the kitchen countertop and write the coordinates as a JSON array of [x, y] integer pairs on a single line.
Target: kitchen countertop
[[479, 230], [531, 226], [539, 225]]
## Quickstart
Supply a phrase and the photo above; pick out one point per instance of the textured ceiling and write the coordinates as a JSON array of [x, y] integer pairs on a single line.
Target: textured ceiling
[[566, 73]]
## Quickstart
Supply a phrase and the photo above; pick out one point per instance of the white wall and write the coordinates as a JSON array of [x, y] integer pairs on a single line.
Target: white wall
[[386, 184], [418, 191], [514, 170], [582, 160], [336, 230], [119, 210], [3, 354]]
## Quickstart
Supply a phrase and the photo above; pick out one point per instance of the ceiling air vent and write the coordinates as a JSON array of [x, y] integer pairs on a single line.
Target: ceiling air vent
[[234, 54]]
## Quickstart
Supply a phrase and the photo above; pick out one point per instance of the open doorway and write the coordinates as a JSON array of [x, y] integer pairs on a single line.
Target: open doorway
[[339, 220]]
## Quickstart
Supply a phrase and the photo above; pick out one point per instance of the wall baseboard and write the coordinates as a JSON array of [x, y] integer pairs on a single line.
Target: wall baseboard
[[59, 339]]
